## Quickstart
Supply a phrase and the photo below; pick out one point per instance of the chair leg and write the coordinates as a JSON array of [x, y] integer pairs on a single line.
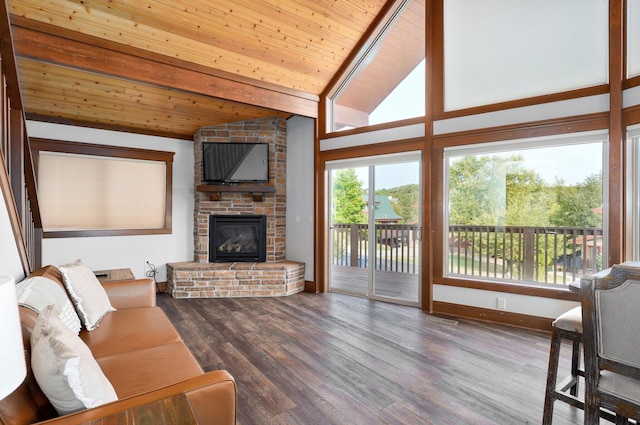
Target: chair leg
[[621, 420], [575, 366], [591, 413], [552, 377]]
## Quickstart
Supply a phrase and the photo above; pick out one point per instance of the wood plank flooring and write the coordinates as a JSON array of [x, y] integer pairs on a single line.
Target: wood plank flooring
[[337, 359], [355, 280]]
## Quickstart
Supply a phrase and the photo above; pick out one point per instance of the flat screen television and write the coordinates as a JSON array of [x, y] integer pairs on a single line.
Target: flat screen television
[[235, 162]]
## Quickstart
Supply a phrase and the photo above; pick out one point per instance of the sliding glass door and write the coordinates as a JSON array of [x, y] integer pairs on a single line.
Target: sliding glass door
[[375, 235]]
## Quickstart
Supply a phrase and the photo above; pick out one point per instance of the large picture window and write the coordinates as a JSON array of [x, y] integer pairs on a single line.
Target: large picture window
[[497, 51], [92, 190], [525, 211], [386, 82]]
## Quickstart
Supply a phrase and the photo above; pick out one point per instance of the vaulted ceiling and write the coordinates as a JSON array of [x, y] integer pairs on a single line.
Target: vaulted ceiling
[[169, 67]]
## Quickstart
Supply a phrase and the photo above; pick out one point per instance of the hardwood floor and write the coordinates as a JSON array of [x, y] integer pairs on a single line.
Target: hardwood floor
[[337, 359], [355, 280]]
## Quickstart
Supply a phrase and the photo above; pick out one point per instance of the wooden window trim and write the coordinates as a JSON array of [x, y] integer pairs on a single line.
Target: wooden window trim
[[631, 82], [47, 145], [631, 115], [519, 103], [374, 127]]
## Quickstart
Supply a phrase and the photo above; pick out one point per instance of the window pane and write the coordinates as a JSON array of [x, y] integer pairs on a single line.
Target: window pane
[[500, 50], [529, 213], [633, 191], [84, 192], [633, 38], [388, 84]]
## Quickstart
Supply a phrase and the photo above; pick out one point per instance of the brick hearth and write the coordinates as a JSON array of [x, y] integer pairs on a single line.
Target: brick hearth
[[275, 277], [221, 280]]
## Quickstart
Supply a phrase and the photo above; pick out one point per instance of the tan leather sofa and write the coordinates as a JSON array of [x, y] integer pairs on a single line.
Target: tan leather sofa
[[141, 354]]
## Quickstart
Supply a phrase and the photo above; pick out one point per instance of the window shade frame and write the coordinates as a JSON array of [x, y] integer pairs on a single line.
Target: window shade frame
[[117, 152]]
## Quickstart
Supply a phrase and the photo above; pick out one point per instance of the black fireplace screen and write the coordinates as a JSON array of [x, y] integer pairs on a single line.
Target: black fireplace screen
[[236, 238]]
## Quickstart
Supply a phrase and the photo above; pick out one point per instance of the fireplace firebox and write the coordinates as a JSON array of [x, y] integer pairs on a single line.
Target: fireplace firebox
[[237, 238]]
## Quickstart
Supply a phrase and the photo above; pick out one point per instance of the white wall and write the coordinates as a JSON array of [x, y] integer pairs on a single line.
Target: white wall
[[515, 303], [129, 251], [300, 176]]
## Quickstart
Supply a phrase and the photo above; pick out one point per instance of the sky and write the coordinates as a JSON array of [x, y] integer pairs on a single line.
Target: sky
[[570, 163], [391, 175], [405, 101]]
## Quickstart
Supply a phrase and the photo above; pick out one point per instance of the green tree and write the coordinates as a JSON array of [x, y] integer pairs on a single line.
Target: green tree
[[497, 190], [529, 199], [576, 205], [348, 203], [404, 201], [474, 191], [501, 191]]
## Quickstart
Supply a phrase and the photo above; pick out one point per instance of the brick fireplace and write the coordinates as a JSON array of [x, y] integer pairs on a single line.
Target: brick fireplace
[[273, 277]]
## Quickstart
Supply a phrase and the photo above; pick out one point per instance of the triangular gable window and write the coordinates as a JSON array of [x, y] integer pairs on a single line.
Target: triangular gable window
[[387, 80]]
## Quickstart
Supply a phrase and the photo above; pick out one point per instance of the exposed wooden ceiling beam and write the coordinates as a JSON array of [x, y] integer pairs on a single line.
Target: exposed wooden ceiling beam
[[44, 46]]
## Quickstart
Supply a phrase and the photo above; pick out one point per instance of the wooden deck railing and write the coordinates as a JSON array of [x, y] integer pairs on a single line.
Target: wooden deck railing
[[396, 246], [554, 255]]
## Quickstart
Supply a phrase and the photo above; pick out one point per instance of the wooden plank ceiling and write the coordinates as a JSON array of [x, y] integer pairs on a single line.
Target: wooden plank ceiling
[[170, 67]]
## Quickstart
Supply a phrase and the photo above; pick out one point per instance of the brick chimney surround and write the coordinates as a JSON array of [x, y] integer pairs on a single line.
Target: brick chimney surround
[[276, 276]]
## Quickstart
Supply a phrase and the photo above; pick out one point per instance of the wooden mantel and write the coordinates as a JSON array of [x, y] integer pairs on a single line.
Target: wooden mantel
[[256, 190]]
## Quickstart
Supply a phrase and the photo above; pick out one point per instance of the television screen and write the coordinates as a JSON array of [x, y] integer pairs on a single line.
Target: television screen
[[235, 162]]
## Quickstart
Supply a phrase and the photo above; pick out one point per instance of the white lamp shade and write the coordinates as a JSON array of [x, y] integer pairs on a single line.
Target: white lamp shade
[[13, 369]]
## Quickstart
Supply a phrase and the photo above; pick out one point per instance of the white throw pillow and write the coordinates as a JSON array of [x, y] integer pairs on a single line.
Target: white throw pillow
[[38, 292], [90, 298], [64, 367]]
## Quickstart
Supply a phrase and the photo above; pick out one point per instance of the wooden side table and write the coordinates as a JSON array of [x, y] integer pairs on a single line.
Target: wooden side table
[[114, 275], [168, 411]]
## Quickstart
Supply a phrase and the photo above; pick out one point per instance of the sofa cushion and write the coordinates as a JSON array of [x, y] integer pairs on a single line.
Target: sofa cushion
[[130, 329], [87, 293], [64, 367], [136, 372], [35, 293]]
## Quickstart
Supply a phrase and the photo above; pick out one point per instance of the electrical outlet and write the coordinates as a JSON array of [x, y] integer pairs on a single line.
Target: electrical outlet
[[502, 303]]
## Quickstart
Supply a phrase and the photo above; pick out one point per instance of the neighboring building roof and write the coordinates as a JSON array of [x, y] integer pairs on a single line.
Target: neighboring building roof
[[383, 210]]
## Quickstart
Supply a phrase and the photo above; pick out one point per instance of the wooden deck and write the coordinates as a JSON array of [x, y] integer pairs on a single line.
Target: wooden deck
[[311, 359], [401, 286]]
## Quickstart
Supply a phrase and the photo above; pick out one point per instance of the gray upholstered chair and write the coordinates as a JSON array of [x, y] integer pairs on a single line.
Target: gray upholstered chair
[[611, 338]]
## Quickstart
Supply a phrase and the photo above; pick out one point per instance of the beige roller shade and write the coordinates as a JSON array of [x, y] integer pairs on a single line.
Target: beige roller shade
[[87, 192]]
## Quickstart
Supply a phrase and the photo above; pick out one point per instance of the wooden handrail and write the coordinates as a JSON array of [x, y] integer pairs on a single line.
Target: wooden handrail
[[18, 178]]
